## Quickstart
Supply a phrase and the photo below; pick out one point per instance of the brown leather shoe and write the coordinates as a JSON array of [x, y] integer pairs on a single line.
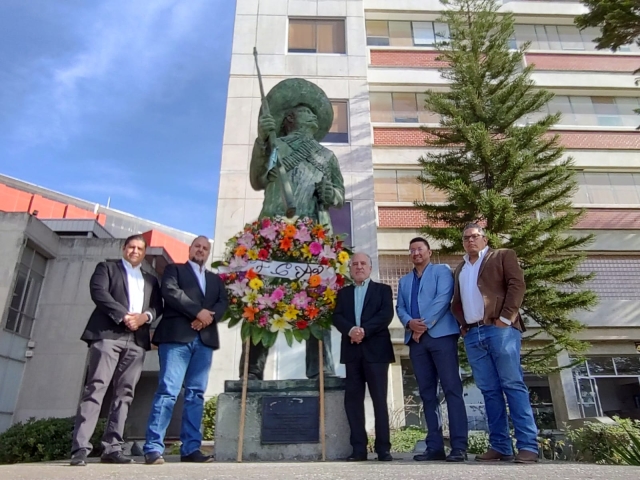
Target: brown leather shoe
[[525, 456], [492, 456]]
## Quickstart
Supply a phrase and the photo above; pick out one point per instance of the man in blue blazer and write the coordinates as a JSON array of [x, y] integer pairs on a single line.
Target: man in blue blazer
[[424, 298]]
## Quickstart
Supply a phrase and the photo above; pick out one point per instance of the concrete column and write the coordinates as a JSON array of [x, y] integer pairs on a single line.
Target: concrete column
[[395, 397], [563, 392]]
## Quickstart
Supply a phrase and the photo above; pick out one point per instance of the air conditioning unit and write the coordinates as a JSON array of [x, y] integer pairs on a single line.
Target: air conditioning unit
[[28, 353]]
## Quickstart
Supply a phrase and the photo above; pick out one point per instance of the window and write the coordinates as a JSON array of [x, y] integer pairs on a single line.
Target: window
[[316, 36], [400, 107], [339, 132], [592, 111], [560, 37], [403, 186], [26, 291], [405, 34], [608, 188]]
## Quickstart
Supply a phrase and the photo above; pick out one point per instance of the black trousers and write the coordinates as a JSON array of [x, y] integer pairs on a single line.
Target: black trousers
[[362, 374], [118, 361]]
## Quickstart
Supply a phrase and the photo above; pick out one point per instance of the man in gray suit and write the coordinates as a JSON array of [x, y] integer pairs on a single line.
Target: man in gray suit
[[127, 301]]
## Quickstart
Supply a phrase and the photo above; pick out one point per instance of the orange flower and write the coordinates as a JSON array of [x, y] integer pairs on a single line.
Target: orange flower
[[318, 231], [314, 280], [286, 244], [240, 251], [251, 274], [250, 313], [311, 312], [290, 231]]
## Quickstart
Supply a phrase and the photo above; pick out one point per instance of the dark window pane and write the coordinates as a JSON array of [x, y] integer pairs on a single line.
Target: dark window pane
[[39, 263], [628, 365], [12, 320], [601, 366], [339, 132], [341, 222], [19, 288]]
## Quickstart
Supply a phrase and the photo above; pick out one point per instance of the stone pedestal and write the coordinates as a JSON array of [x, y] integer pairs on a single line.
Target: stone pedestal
[[227, 421]]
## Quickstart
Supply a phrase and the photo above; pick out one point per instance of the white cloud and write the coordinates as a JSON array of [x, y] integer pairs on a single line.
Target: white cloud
[[126, 51]]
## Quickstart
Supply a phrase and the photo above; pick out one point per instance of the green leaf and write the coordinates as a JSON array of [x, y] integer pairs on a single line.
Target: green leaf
[[269, 338], [256, 334], [305, 334], [316, 330], [289, 336], [245, 331], [297, 334], [218, 264], [233, 321]]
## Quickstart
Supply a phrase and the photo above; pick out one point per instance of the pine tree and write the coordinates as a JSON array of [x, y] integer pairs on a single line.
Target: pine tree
[[618, 20], [501, 170]]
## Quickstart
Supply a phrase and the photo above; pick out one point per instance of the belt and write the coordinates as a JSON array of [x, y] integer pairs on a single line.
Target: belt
[[477, 324]]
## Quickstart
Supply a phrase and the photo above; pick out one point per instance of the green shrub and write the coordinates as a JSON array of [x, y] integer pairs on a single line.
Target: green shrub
[[478, 443], [41, 440], [595, 442], [405, 438], [209, 418], [630, 454]]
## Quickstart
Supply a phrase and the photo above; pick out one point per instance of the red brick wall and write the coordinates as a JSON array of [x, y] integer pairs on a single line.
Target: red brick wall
[[605, 219], [543, 61], [405, 58], [414, 137], [584, 63]]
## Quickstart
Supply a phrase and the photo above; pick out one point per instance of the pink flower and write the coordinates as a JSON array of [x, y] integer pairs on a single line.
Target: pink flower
[[315, 248], [303, 235], [237, 263], [265, 301], [328, 252], [266, 222], [263, 321], [278, 294], [246, 240], [269, 232], [301, 300]]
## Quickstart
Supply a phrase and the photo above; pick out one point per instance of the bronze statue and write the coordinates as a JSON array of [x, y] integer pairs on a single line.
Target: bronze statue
[[298, 176]]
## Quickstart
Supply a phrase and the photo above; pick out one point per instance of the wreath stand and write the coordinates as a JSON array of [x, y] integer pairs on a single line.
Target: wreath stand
[[243, 401]]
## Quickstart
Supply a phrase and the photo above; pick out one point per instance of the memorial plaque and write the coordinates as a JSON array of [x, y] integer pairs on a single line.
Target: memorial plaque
[[290, 420]]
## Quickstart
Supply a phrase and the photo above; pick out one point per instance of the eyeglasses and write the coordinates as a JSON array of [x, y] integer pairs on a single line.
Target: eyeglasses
[[417, 250], [473, 237]]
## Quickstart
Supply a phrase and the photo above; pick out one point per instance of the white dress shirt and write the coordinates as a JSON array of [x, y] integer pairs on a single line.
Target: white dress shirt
[[472, 301], [200, 272], [135, 283]]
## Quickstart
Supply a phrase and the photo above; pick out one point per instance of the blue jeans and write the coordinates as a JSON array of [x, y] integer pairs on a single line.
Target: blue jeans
[[180, 364], [436, 359], [494, 356]]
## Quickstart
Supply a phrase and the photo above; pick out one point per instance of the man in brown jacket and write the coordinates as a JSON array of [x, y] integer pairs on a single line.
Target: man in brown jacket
[[488, 292]]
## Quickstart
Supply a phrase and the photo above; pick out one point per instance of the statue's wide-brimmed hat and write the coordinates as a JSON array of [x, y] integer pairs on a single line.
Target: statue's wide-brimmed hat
[[292, 92]]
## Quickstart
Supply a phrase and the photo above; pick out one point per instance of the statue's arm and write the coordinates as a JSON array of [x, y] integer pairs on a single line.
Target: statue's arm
[[259, 164], [337, 182]]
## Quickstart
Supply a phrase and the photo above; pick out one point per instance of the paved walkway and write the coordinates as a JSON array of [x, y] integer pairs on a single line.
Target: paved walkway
[[402, 469]]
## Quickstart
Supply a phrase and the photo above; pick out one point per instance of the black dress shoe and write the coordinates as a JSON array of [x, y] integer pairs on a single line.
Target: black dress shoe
[[115, 457], [430, 456], [153, 458], [197, 457], [357, 458], [384, 457], [79, 459], [457, 456]]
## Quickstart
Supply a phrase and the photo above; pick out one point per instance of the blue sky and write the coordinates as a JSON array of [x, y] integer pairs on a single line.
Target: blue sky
[[118, 98]]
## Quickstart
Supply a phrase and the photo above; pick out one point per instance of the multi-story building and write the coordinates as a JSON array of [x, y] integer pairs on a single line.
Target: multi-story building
[[375, 59], [51, 244]]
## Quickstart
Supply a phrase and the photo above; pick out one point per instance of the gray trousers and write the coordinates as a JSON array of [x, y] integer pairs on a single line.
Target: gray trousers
[[110, 361]]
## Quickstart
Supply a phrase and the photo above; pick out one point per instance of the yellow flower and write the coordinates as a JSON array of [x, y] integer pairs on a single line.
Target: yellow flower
[[294, 286], [343, 257], [282, 306], [291, 313], [343, 269], [329, 295], [295, 253], [252, 254], [306, 253], [250, 297], [255, 284], [279, 324]]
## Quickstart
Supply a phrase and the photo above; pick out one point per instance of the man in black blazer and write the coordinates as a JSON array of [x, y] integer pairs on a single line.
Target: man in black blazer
[[127, 300], [195, 300], [363, 313]]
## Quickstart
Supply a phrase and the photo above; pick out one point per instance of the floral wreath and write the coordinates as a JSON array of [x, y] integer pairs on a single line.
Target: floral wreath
[[283, 275]]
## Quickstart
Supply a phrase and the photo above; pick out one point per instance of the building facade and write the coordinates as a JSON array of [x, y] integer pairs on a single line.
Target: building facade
[[375, 59], [51, 244]]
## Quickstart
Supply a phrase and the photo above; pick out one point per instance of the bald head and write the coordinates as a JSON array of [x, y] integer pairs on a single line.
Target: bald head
[[360, 267], [199, 250]]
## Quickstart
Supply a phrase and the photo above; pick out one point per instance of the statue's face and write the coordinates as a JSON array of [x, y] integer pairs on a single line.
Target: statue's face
[[305, 119]]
